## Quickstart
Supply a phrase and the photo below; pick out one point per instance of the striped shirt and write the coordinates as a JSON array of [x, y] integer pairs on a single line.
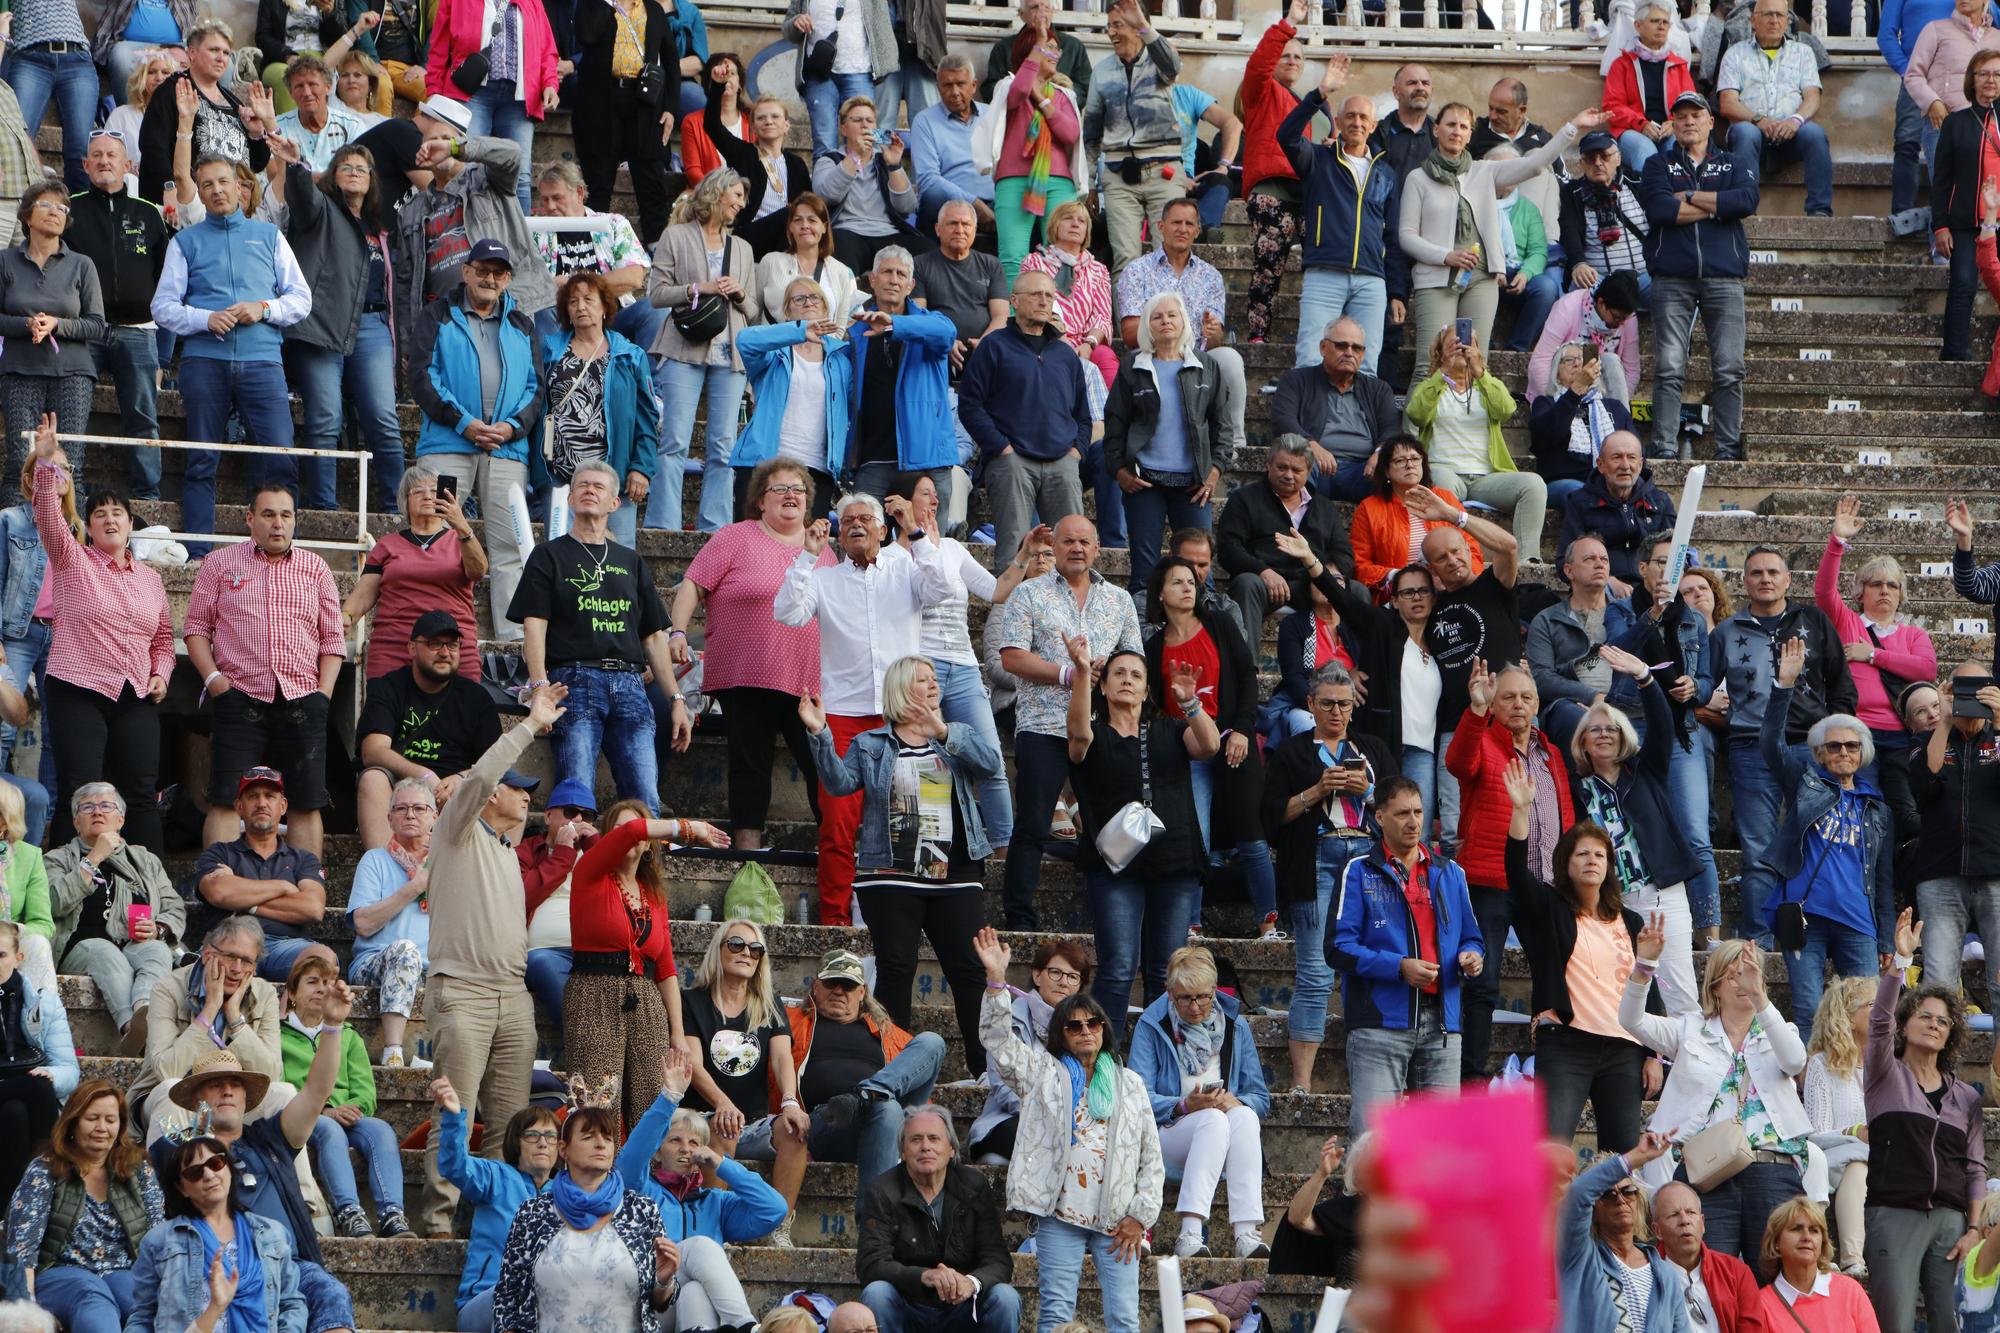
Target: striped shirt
[[269, 620], [112, 625], [39, 21]]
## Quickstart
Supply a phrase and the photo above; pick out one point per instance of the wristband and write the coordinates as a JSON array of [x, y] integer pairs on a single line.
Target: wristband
[[1461, 518], [330, 1029], [1063, 676], [683, 633], [789, 1101], [210, 678], [990, 985]]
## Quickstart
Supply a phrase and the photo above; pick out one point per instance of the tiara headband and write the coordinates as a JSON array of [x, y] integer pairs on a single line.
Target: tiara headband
[[196, 1124], [600, 1093]]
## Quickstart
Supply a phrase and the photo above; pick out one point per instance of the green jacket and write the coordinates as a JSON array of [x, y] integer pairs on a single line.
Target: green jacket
[[355, 1085], [1421, 413], [26, 881], [1531, 238]]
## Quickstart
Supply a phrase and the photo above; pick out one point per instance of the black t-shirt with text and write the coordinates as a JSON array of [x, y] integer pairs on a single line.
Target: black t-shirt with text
[[446, 732], [1479, 621], [734, 1054], [599, 601]]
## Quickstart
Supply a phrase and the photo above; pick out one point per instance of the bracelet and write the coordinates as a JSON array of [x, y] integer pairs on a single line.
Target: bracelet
[[789, 1101], [209, 679], [189, 135], [1063, 675], [683, 633], [990, 985]]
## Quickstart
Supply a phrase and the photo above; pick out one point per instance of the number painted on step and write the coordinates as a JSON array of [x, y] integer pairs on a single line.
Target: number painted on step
[[1906, 515], [1936, 569], [420, 1302], [1790, 305], [1843, 404], [1969, 625], [1874, 458], [1763, 256], [1815, 354]]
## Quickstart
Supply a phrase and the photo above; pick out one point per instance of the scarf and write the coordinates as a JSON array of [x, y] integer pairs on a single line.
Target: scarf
[[581, 1209], [1197, 1045], [1066, 266], [247, 1312], [1040, 140], [680, 1186], [1641, 51], [1450, 173], [1102, 1092]]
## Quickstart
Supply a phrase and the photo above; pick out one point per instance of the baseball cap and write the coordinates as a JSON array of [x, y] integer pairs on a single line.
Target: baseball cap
[[453, 113], [489, 251], [842, 965], [1688, 98], [1597, 141], [514, 777], [436, 625], [261, 774]]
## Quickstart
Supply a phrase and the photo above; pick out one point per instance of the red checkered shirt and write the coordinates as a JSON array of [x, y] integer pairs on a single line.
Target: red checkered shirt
[[113, 627], [268, 621]]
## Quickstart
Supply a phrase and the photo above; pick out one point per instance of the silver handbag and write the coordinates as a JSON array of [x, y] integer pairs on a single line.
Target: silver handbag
[[1127, 832]]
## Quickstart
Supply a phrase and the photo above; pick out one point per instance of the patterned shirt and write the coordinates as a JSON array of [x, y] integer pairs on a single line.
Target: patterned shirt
[[97, 1243], [113, 626], [1739, 1099], [628, 41], [317, 147], [269, 620], [1770, 83], [1601, 799], [1199, 284], [1038, 617], [593, 251], [1086, 306], [506, 50], [38, 21]]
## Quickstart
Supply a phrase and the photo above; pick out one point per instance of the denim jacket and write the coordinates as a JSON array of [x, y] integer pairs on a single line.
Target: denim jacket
[[170, 1279], [21, 573], [1812, 793], [869, 767]]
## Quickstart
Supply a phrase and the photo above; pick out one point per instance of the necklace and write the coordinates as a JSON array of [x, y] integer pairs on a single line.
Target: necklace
[[601, 557]]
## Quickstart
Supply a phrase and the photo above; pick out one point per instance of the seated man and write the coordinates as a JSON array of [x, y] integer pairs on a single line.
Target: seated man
[[422, 721], [1601, 315], [965, 285], [941, 139], [216, 1001], [1769, 86], [264, 877], [1570, 643], [1721, 1289], [1340, 412], [867, 1072], [1621, 507], [614, 251], [1321, 1237], [118, 919], [1601, 225], [1262, 576], [929, 1253], [389, 907]]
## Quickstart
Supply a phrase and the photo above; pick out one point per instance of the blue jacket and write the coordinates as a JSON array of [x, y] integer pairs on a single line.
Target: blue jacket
[[1643, 794], [1345, 228], [1809, 793], [749, 1209], [22, 560], [1027, 393], [47, 1025], [631, 413], [496, 1192], [1557, 642], [869, 766], [1371, 936], [170, 1277], [1713, 247], [766, 350], [1586, 1269], [924, 434], [1153, 1059], [441, 366]]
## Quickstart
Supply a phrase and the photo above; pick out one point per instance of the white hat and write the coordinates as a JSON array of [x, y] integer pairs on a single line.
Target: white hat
[[452, 112]]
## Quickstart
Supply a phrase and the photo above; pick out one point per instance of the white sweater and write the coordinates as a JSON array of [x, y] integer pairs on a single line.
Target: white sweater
[[1428, 223]]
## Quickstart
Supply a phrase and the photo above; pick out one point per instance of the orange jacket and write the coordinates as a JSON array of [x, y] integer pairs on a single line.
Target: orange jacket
[[1380, 530], [894, 1039]]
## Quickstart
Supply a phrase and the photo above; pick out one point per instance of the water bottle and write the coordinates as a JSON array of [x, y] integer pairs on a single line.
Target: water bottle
[[703, 912], [168, 206], [802, 915]]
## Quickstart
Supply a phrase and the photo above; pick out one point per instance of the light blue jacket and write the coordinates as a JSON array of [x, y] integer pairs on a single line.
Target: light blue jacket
[[47, 1025], [766, 350], [441, 366], [748, 1210], [925, 436], [631, 412], [217, 263], [496, 1192], [1154, 1061], [1585, 1266], [22, 560], [869, 766], [170, 1279]]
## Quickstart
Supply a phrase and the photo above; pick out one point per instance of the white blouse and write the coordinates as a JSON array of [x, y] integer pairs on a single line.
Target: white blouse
[[776, 270], [1834, 1102], [946, 636], [1423, 686], [586, 1282]]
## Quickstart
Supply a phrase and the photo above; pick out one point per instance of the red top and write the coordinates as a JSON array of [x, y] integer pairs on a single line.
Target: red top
[[1623, 101], [1417, 893], [1266, 103], [1200, 652], [1327, 647], [417, 578], [1478, 758], [740, 568], [699, 155], [599, 921], [112, 624]]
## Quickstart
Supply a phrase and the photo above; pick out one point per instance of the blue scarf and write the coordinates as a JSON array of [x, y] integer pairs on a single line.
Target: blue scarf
[[247, 1313], [582, 1209], [1102, 1088]]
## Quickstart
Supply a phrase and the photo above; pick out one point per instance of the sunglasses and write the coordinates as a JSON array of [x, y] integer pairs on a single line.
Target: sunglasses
[[575, 811], [1079, 1026], [737, 944], [1842, 747], [841, 984], [206, 1166]]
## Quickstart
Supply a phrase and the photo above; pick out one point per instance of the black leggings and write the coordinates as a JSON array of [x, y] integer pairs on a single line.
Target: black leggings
[[950, 917], [86, 729], [28, 1110], [756, 719]]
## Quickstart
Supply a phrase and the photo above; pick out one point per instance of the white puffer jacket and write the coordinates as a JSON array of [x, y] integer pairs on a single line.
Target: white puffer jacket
[[1134, 1175]]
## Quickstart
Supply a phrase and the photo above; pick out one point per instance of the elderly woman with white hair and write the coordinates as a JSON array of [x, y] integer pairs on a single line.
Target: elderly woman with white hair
[[1833, 855], [1645, 69], [1568, 425], [1163, 436], [1886, 651], [433, 563], [922, 840], [389, 907], [802, 379]]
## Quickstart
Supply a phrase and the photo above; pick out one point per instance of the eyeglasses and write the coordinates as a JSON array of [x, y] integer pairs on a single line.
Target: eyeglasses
[[804, 299], [236, 959], [1340, 346], [53, 206], [410, 807], [437, 645], [1696, 1315], [1601, 729], [1842, 747], [1196, 1001], [737, 944], [787, 488], [1334, 705], [1629, 1193], [1079, 1026], [1415, 592], [98, 808], [1938, 1020], [95, 135], [539, 1135], [352, 168], [206, 1166], [1063, 974]]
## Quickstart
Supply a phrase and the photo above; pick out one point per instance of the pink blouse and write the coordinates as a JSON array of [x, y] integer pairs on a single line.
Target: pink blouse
[[417, 578], [1906, 650], [739, 569], [1016, 157], [112, 627]]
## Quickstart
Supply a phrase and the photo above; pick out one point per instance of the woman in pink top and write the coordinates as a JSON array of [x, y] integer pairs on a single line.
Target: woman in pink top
[[1037, 141], [1805, 1293], [432, 565], [1883, 653], [111, 648], [756, 667], [1935, 76], [1083, 285]]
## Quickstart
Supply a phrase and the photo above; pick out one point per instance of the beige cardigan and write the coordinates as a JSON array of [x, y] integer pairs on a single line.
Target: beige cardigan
[[1429, 220], [681, 258]]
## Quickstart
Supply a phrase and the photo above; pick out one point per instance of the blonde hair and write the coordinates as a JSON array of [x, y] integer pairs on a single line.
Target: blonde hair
[[1193, 965], [805, 283], [1832, 1033], [1781, 1220], [1628, 739], [760, 1007], [1063, 210], [135, 83], [1882, 566], [897, 682], [788, 1319], [1721, 959], [1641, 1215], [13, 813]]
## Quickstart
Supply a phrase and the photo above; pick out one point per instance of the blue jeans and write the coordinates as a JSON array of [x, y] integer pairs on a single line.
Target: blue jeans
[[912, 82], [1212, 199], [1690, 779], [873, 1142], [84, 1302], [1422, 767], [328, 1304], [608, 715], [962, 693], [548, 973], [1758, 803], [1636, 149], [497, 112], [1110, 499], [823, 99], [132, 356], [996, 1310], [37, 74], [1531, 308], [1312, 935], [683, 385], [1808, 146], [476, 1315], [24, 655], [279, 955], [376, 1143], [1853, 954], [1561, 490], [1903, 174], [1059, 1251], [1385, 1065], [327, 382], [1720, 304], [1149, 516], [1138, 918], [639, 322], [1208, 775], [209, 388], [1736, 1210], [1325, 295]]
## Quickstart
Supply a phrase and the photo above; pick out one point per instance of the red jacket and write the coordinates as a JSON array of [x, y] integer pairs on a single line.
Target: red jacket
[[1733, 1292], [1989, 269], [459, 31], [1266, 103], [1621, 90], [599, 921], [1478, 758]]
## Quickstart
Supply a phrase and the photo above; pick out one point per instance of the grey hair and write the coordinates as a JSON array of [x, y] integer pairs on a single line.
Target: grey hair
[[1333, 673], [1294, 446], [597, 465], [1501, 151], [1515, 668], [92, 790], [1883, 566], [930, 1108], [696, 1122], [955, 62], [249, 927], [852, 498], [1580, 346], [25, 1317], [206, 27], [894, 253], [1648, 6], [1183, 347], [1516, 90], [1846, 722], [1339, 320], [1350, 1169], [568, 173], [703, 200], [413, 784], [957, 205], [416, 474]]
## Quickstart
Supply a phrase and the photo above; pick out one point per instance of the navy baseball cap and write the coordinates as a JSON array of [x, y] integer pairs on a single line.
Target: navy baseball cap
[[490, 251], [1688, 98], [514, 777], [1597, 141]]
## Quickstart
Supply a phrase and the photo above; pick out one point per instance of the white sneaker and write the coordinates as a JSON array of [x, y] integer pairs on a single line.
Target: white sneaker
[[1250, 1245], [1190, 1245], [1272, 933]]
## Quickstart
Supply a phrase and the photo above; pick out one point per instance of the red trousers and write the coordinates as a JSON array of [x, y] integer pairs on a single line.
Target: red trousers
[[839, 824]]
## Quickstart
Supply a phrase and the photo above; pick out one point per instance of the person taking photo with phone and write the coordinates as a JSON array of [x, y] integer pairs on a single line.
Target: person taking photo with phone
[[1956, 865]]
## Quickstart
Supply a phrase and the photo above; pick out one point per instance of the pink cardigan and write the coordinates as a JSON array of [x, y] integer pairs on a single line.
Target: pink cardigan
[[1906, 649], [1567, 320], [458, 32], [1844, 1309], [1936, 71], [1015, 159]]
